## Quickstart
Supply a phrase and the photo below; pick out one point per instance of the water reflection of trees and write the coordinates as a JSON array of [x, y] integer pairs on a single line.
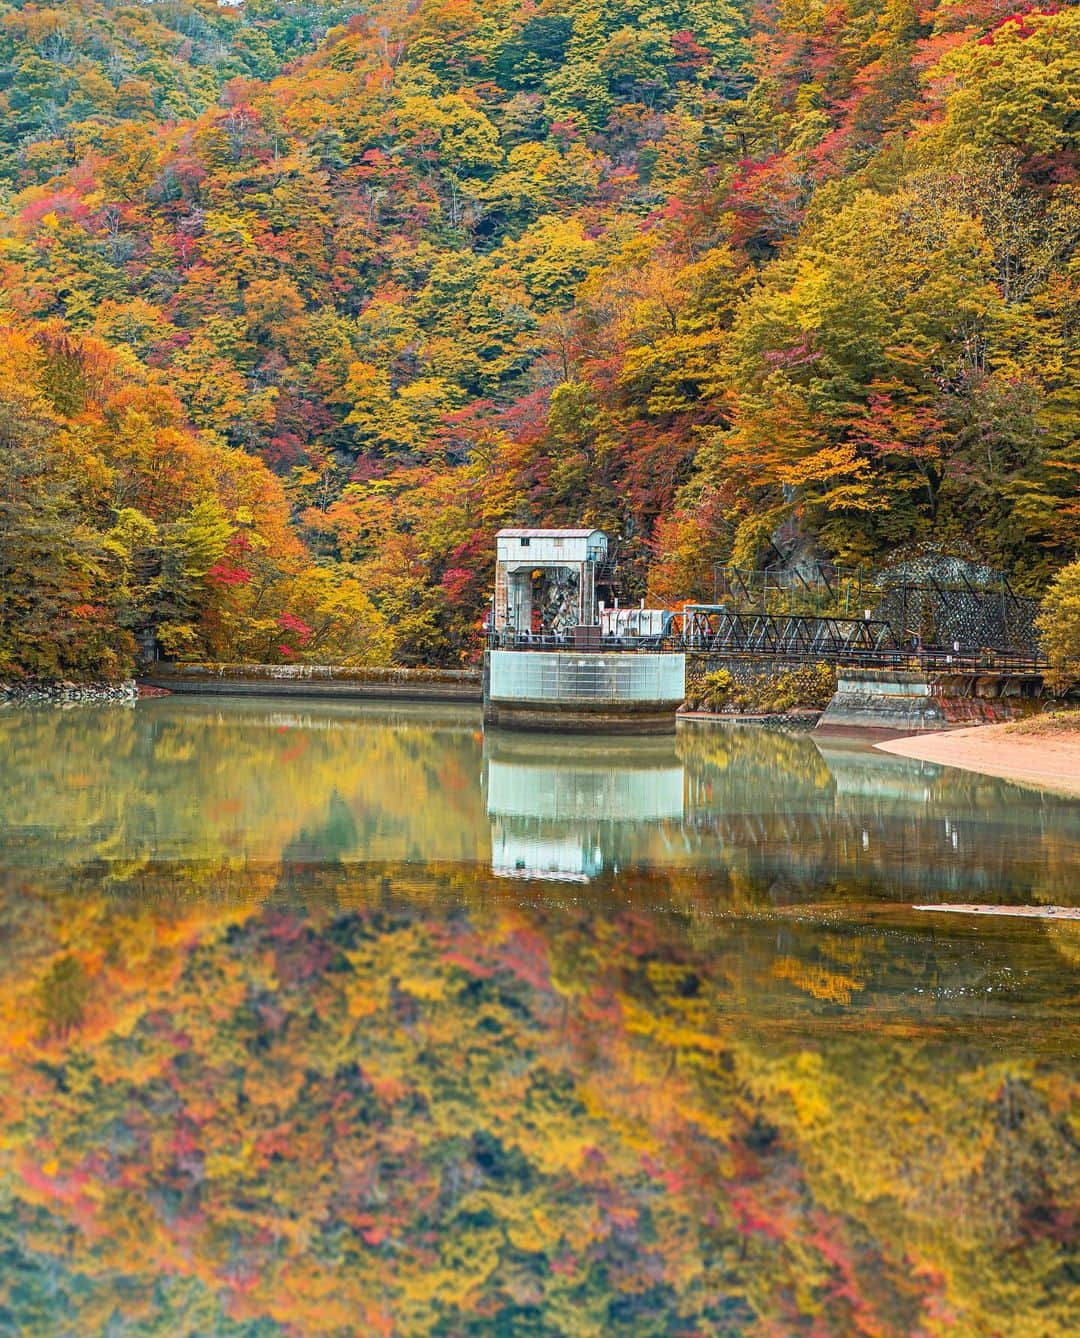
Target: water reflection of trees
[[326, 1098], [188, 779], [766, 818]]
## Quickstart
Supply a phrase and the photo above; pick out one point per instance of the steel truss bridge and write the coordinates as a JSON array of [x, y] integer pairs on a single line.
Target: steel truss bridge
[[796, 638], [712, 627]]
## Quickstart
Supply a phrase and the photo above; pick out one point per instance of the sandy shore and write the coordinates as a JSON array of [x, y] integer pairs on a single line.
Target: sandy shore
[[1022, 912], [1043, 754]]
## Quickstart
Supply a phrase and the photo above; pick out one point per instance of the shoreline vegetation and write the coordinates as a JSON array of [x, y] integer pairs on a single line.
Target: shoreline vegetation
[[339, 673], [1043, 751]]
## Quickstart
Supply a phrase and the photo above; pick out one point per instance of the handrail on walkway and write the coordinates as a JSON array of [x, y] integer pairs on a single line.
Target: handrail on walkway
[[792, 650]]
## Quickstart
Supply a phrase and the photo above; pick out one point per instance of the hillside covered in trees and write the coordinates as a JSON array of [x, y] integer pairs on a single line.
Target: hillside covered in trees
[[300, 304]]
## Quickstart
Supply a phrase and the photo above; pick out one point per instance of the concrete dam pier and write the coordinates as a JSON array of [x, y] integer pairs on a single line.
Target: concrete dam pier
[[609, 692], [559, 659]]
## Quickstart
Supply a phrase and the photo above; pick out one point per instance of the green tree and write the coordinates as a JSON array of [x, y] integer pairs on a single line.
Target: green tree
[[1059, 624]]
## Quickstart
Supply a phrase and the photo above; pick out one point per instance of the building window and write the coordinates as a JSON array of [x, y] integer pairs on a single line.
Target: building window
[[524, 543]]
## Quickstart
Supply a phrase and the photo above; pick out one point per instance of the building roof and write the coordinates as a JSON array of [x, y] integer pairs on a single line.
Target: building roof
[[546, 534]]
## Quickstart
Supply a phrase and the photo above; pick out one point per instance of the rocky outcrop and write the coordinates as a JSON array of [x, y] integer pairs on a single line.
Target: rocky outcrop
[[786, 720], [64, 693]]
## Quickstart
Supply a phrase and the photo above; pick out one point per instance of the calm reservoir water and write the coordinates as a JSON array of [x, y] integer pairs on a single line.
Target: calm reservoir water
[[351, 1020]]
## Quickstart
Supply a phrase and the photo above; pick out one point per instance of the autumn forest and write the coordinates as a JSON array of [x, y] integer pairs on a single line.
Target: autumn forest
[[298, 304]]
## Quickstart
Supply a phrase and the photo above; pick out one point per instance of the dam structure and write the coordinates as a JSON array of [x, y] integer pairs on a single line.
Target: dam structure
[[557, 659]]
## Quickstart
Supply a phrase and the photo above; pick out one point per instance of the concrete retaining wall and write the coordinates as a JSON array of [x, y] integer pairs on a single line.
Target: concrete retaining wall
[[911, 702], [318, 680], [894, 700]]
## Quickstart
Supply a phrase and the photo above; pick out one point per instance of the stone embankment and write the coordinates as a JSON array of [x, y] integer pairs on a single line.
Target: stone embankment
[[773, 695], [68, 694], [317, 680]]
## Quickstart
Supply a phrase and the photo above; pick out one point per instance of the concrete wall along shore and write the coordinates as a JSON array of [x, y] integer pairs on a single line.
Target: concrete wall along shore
[[628, 693], [914, 701], [634, 693], [318, 680]]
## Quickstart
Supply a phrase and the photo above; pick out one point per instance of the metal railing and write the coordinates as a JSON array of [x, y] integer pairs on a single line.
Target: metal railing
[[506, 640], [794, 641], [716, 628]]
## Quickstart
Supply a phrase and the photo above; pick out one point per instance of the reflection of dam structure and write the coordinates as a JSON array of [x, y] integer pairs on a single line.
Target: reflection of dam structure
[[732, 811], [568, 815], [794, 817], [801, 814]]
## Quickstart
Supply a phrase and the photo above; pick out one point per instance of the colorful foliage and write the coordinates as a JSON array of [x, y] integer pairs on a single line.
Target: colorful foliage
[[691, 273]]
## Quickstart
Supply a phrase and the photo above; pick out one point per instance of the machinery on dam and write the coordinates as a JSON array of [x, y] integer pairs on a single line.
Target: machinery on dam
[[932, 610], [554, 662], [591, 664]]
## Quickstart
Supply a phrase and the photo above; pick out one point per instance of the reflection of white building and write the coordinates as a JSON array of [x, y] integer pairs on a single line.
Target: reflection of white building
[[568, 793], [566, 817], [572, 858]]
